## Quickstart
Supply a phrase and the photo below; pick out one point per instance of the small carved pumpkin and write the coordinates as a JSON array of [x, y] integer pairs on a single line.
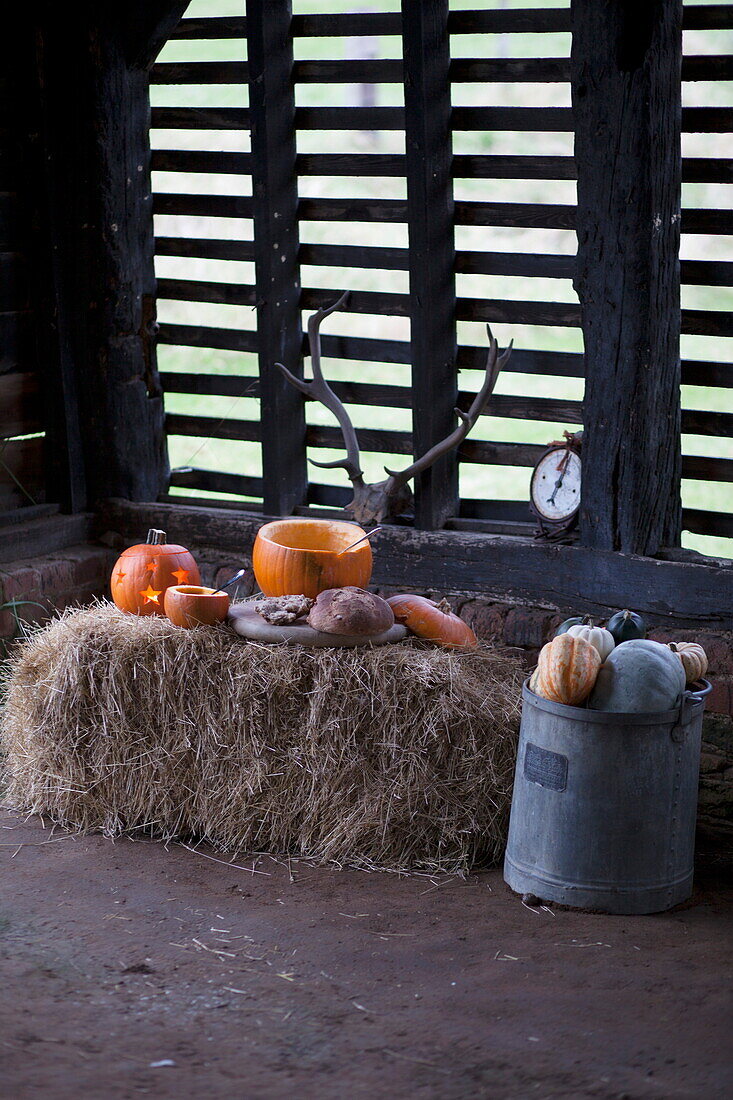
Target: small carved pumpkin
[[144, 572], [566, 670], [694, 659], [433, 621], [190, 605], [598, 636]]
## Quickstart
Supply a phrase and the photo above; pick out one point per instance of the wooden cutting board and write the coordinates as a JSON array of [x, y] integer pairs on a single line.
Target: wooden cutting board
[[245, 620]]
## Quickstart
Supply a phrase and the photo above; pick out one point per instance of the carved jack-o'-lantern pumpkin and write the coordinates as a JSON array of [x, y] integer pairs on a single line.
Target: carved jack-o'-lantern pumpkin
[[144, 572]]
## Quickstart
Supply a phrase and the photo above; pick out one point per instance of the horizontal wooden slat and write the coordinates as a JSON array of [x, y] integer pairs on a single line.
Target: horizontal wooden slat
[[511, 312], [205, 248], [195, 290], [696, 372], [704, 468], [707, 322], [706, 272], [202, 206], [200, 336], [474, 166], [199, 72], [705, 422], [696, 17], [209, 427], [707, 67], [220, 26], [360, 301], [695, 120], [210, 385], [707, 523], [215, 481], [199, 118], [516, 511], [475, 451], [375, 440]]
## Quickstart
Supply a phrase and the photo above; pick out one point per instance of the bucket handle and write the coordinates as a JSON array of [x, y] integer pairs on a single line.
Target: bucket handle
[[690, 699]]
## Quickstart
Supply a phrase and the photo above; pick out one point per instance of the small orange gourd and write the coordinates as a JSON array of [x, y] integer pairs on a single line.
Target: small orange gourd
[[308, 556], [566, 670], [694, 659], [144, 572], [433, 621]]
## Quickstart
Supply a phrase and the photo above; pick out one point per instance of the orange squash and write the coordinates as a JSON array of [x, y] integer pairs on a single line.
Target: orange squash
[[694, 659], [144, 572], [308, 556], [566, 670], [189, 605], [430, 620]]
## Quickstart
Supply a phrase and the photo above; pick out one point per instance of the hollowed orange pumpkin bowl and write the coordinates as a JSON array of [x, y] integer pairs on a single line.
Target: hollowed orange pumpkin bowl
[[190, 605], [305, 556]]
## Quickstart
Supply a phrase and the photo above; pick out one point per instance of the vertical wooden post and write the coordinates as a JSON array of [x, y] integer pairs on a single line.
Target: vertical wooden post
[[95, 119], [428, 146], [275, 205], [626, 63]]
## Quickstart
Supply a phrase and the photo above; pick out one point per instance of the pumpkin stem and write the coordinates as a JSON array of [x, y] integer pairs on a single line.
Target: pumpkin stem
[[673, 647], [444, 606], [155, 537], [587, 621]]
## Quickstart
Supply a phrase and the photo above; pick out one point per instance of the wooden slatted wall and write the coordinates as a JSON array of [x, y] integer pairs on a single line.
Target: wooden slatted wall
[[506, 258], [22, 465]]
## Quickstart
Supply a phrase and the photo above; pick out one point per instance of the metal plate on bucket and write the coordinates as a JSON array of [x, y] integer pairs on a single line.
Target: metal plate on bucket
[[549, 769]]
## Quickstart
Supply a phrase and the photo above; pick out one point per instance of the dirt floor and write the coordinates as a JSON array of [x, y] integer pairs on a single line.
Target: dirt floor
[[131, 969]]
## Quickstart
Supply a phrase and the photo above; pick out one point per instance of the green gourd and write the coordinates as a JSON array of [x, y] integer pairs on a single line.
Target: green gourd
[[626, 626], [577, 620], [640, 677]]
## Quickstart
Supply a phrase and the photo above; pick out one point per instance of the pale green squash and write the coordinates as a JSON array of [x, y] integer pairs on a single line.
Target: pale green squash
[[639, 676]]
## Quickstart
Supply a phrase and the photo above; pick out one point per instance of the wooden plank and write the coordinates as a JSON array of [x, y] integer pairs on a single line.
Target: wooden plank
[[517, 21], [215, 481], [209, 427], [695, 120], [518, 313], [511, 569], [706, 272], [625, 85], [200, 72], [210, 385], [707, 67], [707, 17], [704, 468], [20, 404], [197, 290], [499, 70], [203, 206], [31, 531], [707, 523], [493, 167], [198, 336], [205, 248], [199, 118], [430, 210], [695, 372], [208, 27], [360, 301], [707, 322], [706, 422], [524, 215]]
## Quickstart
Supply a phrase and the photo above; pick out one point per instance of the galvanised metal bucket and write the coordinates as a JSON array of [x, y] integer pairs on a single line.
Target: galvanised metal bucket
[[604, 805]]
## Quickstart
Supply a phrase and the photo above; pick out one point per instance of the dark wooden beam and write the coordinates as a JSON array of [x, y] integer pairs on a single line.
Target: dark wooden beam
[[146, 26], [626, 62], [512, 569], [428, 149], [95, 146], [275, 212]]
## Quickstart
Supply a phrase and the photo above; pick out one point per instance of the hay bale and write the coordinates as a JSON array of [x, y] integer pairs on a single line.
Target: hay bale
[[398, 757]]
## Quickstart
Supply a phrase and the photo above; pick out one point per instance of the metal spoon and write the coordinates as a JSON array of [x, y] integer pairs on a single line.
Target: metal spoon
[[361, 538]]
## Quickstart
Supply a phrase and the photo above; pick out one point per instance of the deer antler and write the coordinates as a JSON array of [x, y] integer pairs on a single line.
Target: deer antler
[[388, 498], [494, 364], [319, 390]]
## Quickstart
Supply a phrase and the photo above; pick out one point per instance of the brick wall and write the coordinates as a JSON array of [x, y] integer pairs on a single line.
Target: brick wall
[[80, 573]]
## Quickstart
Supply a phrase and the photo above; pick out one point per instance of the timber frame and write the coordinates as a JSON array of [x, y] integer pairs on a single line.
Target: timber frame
[[98, 324]]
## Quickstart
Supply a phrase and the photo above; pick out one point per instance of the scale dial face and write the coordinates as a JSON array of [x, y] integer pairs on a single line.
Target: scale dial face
[[555, 486]]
